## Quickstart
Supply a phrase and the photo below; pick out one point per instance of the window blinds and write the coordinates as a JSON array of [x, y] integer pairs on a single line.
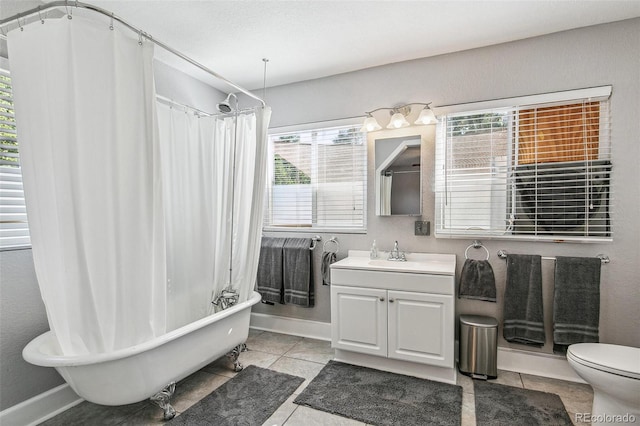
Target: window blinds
[[527, 171], [14, 230], [317, 179]]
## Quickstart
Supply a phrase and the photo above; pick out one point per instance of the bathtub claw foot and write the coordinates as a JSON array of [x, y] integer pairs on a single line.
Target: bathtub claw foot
[[235, 354], [162, 399]]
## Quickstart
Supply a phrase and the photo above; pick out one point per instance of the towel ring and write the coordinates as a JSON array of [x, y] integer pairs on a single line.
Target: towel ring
[[476, 244], [333, 240]]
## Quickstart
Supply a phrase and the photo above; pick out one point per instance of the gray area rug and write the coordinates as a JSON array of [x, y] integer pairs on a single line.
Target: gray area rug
[[381, 398], [507, 405], [249, 398]]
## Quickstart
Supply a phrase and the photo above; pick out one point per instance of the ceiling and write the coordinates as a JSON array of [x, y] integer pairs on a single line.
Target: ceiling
[[305, 39]]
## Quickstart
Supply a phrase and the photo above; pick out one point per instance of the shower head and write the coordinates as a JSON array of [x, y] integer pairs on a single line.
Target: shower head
[[225, 106]]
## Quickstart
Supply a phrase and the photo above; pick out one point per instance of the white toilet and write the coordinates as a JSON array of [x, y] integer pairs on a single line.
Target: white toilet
[[613, 371]]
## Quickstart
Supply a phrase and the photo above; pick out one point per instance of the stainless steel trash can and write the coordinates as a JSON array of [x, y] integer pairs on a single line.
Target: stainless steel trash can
[[478, 346]]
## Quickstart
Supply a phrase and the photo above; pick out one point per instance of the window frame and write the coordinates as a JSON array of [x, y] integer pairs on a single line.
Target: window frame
[[320, 125], [515, 106]]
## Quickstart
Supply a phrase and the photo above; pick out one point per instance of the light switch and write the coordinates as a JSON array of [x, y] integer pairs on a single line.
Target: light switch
[[421, 227]]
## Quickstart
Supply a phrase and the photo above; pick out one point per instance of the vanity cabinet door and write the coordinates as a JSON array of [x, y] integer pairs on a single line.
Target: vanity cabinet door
[[421, 328], [359, 319]]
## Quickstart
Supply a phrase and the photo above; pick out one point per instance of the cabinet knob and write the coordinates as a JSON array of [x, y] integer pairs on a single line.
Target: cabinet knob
[[390, 300], [382, 299]]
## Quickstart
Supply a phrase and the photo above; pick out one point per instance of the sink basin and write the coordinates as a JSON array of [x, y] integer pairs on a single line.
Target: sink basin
[[417, 263], [396, 264], [416, 266]]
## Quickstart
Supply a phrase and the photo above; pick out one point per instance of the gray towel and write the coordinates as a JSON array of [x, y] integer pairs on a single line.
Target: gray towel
[[576, 302], [523, 317], [298, 272], [327, 259], [477, 281], [269, 280]]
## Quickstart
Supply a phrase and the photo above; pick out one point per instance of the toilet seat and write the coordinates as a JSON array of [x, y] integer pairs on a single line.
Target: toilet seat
[[614, 359]]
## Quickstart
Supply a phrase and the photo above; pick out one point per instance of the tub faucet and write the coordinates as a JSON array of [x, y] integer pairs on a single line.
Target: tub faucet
[[396, 255], [227, 298]]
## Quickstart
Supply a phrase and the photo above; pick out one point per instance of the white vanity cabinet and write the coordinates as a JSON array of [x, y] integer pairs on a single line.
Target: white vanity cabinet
[[395, 317], [359, 319]]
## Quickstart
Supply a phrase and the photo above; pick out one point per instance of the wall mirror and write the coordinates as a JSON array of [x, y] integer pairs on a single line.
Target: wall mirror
[[398, 176]]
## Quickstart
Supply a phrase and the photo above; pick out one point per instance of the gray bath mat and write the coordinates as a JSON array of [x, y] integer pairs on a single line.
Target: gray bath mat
[[507, 405], [249, 398], [381, 398]]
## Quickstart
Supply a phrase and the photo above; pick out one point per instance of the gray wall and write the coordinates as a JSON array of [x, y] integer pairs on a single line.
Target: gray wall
[[184, 89], [22, 312], [22, 317], [599, 55]]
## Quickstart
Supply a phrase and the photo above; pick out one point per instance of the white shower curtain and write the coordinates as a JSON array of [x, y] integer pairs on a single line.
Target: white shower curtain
[[198, 156], [250, 177], [192, 185], [385, 194], [85, 108], [138, 216]]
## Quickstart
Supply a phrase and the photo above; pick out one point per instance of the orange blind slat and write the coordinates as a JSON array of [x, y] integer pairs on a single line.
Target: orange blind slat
[[559, 133]]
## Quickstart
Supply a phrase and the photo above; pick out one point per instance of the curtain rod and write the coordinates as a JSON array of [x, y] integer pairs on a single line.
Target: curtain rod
[[200, 113], [66, 4], [171, 103]]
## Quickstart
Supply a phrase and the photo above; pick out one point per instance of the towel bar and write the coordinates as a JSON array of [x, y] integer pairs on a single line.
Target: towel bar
[[314, 240], [502, 254]]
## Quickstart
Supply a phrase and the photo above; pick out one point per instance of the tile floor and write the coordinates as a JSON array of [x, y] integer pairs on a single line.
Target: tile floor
[[304, 358]]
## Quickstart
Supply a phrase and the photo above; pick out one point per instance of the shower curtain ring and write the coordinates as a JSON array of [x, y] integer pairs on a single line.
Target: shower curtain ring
[[111, 24], [40, 16], [140, 37], [19, 25]]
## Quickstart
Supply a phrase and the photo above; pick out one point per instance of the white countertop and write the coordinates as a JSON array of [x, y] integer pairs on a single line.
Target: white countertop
[[417, 263]]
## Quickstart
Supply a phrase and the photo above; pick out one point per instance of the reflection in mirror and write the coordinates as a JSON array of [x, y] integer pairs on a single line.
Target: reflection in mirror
[[398, 177]]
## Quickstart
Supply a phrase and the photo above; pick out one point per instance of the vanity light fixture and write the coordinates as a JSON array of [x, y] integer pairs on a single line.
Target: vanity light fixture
[[399, 116], [370, 124], [426, 116], [397, 121]]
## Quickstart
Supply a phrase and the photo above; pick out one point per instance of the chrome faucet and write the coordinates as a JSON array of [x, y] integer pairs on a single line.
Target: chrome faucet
[[396, 255]]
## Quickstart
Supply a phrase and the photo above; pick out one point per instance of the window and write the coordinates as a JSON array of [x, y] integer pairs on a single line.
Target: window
[[14, 231], [537, 170], [317, 178]]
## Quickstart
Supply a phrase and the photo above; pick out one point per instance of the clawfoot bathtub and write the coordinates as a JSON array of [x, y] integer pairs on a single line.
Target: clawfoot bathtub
[[133, 374]]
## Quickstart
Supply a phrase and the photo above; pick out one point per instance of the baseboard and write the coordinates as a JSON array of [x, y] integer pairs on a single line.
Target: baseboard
[[294, 326], [41, 407], [537, 364]]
